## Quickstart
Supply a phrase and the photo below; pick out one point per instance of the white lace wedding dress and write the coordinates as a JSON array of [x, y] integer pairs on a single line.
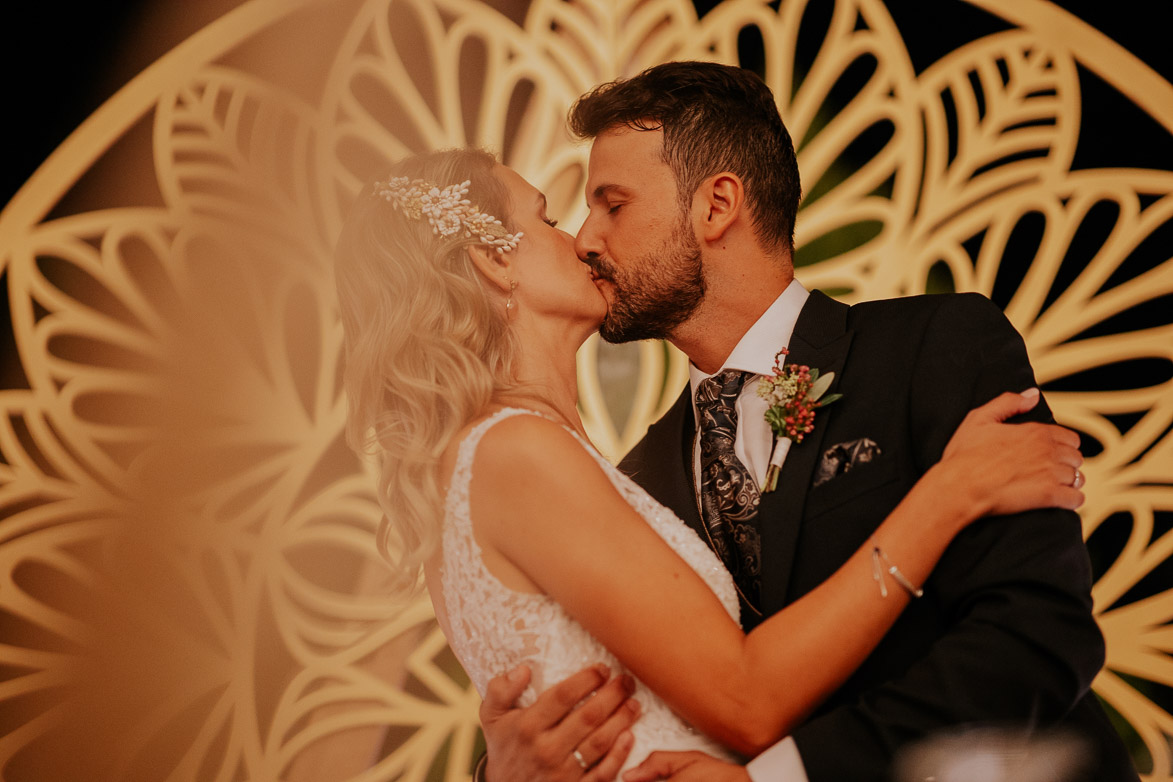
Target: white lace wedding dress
[[494, 628]]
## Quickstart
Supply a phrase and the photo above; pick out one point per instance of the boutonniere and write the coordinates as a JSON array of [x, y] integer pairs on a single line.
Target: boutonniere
[[794, 393]]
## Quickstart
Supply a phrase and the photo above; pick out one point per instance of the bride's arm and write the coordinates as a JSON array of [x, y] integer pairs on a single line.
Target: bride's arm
[[543, 503]]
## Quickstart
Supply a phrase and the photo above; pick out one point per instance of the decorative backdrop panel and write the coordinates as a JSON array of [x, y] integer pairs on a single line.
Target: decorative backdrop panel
[[188, 583]]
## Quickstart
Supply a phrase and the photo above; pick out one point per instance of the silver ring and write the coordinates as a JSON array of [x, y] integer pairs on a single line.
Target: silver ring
[[580, 760], [1078, 481]]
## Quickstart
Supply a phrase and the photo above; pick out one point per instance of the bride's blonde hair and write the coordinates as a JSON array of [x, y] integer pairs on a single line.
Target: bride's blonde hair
[[427, 346]]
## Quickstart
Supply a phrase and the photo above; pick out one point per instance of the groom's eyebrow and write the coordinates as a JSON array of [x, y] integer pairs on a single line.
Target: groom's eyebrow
[[602, 191]]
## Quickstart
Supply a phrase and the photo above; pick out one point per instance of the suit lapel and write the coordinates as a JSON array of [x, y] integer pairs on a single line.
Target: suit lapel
[[690, 511], [670, 481], [820, 340]]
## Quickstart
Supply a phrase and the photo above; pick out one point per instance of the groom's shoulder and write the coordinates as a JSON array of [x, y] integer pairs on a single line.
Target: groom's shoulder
[[935, 311], [927, 304]]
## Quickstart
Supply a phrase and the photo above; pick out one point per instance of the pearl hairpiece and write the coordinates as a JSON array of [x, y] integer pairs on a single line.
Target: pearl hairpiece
[[447, 211]]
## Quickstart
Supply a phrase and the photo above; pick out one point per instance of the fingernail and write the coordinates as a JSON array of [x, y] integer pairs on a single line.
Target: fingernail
[[516, 674], [628, 683], [1030, 393], [603, 671], [632, 705]]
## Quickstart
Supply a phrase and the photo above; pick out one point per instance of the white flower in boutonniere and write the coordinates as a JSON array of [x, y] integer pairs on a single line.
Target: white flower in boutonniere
[[794, 393]]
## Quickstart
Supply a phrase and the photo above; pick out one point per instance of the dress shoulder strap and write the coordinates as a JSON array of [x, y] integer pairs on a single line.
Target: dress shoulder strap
[[462, 472]]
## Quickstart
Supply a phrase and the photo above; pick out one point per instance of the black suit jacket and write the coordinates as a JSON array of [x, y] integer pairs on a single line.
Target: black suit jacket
[[1005, 632]]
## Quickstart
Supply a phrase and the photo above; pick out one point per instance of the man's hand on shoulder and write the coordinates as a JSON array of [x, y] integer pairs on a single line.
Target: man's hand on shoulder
[[576, 730], [686, 767]]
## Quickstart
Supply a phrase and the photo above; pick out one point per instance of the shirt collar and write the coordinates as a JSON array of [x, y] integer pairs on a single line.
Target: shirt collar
[[757, 348]]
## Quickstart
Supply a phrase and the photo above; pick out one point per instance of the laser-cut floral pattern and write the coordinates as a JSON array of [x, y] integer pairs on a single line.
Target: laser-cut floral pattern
[[186, 555]]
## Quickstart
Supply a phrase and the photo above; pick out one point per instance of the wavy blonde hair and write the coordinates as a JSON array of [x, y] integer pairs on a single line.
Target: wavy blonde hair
[[427, 346]]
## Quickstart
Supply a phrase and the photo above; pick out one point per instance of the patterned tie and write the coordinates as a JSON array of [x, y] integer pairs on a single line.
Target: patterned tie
[[729, 496]]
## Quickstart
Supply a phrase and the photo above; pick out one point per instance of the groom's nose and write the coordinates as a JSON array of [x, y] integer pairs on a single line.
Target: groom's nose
[[588, 241]]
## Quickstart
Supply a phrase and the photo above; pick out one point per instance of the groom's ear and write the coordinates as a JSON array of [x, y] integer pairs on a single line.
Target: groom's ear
[[496, 268], [721, 199]]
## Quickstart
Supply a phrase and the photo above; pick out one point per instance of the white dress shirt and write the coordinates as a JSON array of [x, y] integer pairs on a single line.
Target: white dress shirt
[[754, 445]]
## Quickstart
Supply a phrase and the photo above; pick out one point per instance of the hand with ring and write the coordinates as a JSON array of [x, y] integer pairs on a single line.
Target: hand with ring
[[576, 731]]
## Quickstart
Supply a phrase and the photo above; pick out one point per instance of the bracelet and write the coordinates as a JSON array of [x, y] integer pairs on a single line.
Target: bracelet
[[878, 557], [478, 771]]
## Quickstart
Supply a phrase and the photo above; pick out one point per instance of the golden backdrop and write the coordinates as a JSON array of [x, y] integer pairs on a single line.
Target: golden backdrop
[[188, 583]]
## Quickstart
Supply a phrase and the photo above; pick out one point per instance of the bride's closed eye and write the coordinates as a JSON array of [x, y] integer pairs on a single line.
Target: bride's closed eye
[[549, 222]]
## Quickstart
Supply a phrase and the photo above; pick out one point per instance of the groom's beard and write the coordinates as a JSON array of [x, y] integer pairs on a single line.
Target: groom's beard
[[656, 293]]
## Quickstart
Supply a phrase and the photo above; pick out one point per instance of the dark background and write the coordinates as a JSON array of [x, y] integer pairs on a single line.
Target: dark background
[[62, 60], [65, 59]]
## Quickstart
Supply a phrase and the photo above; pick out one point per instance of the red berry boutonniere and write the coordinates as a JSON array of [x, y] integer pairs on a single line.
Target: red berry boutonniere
[[793, 393]]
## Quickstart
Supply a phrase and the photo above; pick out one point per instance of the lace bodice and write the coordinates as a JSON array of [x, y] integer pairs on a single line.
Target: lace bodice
[[494, 628]]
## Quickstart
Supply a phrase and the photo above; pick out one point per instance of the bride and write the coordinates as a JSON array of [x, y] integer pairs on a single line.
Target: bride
[[463, 308]]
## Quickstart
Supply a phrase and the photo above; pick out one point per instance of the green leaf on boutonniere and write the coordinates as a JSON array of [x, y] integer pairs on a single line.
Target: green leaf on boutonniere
[[819, 385], [775, 417], [830, 399]]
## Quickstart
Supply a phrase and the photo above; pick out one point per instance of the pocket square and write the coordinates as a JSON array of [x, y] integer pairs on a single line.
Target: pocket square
[[840, 458]]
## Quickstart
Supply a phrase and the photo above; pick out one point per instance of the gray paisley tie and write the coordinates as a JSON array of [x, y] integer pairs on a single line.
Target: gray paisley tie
[[729, 496]]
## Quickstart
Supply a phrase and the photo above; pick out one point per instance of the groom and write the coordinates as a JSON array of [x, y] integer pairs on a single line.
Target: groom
[[693, 190]]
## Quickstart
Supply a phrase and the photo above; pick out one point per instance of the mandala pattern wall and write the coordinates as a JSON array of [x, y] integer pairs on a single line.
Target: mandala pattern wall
[[188, 582]]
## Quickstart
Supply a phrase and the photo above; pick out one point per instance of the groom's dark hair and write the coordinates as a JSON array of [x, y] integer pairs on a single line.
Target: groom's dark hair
[[714, 118]]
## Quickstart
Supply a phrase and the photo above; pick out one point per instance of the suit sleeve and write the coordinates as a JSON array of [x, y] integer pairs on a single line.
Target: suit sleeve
[[1020, 645]]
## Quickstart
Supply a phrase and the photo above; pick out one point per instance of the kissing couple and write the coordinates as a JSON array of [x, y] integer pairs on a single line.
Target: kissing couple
[[769, 587]]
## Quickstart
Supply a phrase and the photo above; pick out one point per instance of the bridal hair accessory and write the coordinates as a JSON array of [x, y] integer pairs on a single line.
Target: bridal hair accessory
[[793, 393], [879, 561], [447, 210]]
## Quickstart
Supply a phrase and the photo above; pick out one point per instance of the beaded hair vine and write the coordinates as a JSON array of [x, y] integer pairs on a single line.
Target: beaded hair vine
[[447, 211]]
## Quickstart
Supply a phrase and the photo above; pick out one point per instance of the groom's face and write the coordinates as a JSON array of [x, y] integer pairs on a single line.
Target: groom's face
[[638, 241]]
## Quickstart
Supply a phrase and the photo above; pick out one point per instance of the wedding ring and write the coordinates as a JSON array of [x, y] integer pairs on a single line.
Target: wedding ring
[[1079, 480], [580, 760]]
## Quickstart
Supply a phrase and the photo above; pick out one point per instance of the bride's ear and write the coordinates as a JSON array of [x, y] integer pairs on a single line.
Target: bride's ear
[[496, 268]]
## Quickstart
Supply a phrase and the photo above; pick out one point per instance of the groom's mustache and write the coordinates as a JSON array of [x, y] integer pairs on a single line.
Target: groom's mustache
[[601, 268]]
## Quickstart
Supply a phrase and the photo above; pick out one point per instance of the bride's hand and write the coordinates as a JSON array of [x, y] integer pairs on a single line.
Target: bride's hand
[[1009, 468]]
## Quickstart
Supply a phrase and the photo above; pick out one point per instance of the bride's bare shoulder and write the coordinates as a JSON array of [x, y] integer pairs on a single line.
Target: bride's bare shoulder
[[529, 438], [520, 440]]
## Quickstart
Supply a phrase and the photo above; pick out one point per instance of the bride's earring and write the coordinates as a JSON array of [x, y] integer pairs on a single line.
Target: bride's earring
[[510, 305]]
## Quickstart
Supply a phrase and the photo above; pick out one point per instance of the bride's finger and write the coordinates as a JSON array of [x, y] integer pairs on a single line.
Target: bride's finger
[[1061, 434], [1065, 454], [1069, 498], [1007, 405], [1064, 492]]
